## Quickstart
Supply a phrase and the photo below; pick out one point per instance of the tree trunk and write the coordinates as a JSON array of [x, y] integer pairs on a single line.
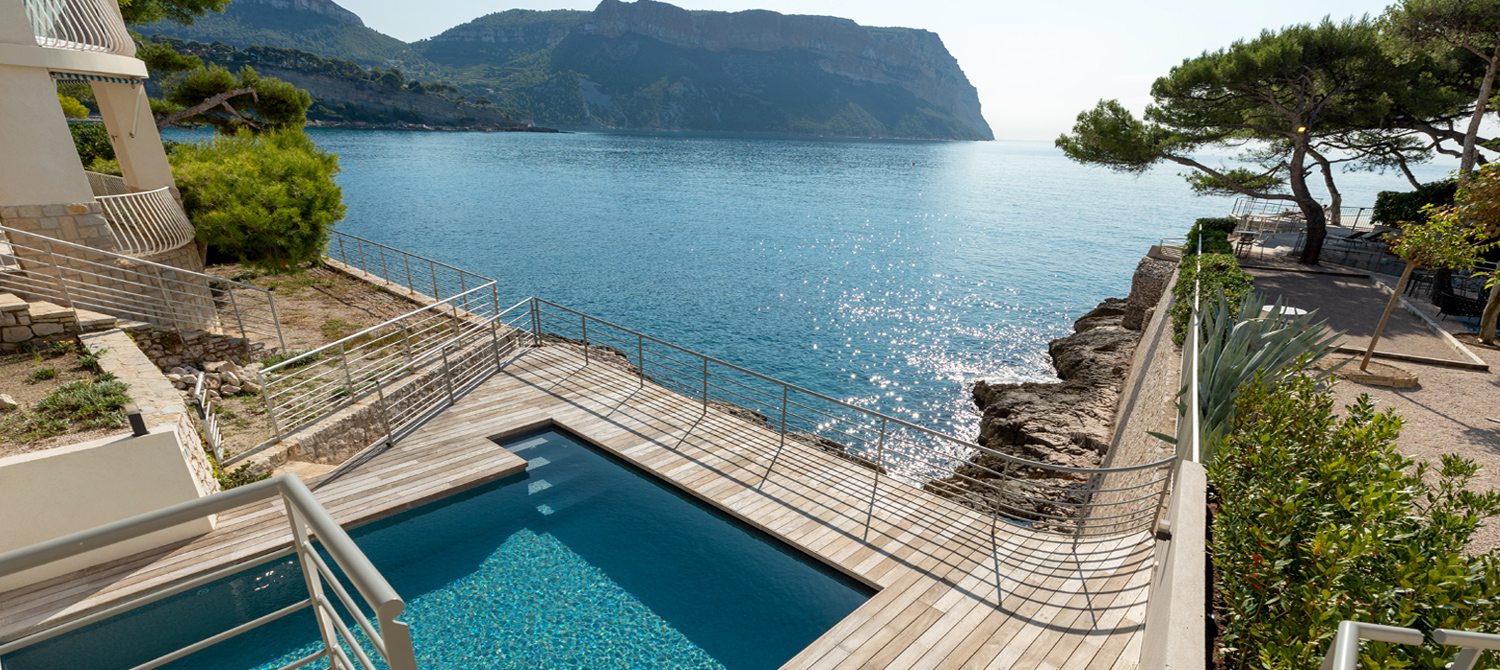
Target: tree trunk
[[1466, 164], [1389, 307], [1336, 199], [1491, 313], [1317, 229]]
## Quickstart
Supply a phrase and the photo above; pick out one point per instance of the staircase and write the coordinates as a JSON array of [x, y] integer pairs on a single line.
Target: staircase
[[22, 321]]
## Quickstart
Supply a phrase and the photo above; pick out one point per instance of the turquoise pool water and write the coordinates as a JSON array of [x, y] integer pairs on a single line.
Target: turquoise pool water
[[581, 563]]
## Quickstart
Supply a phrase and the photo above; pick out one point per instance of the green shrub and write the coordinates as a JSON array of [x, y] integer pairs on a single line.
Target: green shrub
[[1221, 274], [1393, 208], [286, 355], [267, 200], [1215, 233], [92, 142], [1321, 520], [42, 374]]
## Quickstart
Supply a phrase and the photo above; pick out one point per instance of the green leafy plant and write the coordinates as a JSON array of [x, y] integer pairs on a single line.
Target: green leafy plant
[[288, 354], [42, 374], [267, 200], [1219, 274], [1322, 520], [1396, 208], [1214, 235], [334, 329]]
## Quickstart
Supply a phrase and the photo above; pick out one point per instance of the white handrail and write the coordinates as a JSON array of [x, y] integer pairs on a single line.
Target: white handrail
[[1343, 652], [144, 223], [79, 25]]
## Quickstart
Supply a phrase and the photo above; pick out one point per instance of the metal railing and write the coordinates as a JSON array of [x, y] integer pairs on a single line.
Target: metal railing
[[388, 640], [79, 25], [210, 419], [106, 184], [422, 276], [407, 368], [1082, 502], [146, 223], [1258, 214], [1189, 405], [169, 298], [1343, 651]]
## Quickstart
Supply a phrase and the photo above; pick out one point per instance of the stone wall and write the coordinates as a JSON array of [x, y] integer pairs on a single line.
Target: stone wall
[[194, 347], [191, 445], [80, 223], [1152, 277], [151, 391]]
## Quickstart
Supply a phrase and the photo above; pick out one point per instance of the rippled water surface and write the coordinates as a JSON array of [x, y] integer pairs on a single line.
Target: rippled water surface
[[887, 273]]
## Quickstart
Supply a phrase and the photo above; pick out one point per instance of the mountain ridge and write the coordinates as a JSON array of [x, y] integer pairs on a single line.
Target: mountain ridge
[[652, 65]]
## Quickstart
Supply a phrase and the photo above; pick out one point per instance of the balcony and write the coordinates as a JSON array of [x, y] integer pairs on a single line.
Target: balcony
[[92, 26], [146, 223]]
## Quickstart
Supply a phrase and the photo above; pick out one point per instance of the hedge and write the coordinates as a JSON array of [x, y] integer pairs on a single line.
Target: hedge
[[1215, 233], [1322, 520], [1393, 208], [1220, 273]]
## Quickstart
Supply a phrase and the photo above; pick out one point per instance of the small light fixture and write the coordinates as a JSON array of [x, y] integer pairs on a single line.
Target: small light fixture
[[137, 422], [1301, 129]]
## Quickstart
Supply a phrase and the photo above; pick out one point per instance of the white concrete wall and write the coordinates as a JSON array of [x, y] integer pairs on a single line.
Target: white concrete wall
[[1176, 625], [52, 493]]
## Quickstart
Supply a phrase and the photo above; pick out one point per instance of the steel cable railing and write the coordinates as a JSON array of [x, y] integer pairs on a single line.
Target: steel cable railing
[[166, 297], [1082, 502], [146, 223], [418, 275], [387, 640], [79, 25]]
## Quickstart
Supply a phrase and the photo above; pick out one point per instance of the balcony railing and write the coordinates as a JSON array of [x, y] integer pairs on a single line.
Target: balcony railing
[[146, 223], [79, 25]]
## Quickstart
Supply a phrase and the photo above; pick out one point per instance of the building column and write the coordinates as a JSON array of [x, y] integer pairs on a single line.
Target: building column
[[38, 163], [132, 131]]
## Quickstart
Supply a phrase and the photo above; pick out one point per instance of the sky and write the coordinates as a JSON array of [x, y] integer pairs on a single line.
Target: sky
[[1036, 64]]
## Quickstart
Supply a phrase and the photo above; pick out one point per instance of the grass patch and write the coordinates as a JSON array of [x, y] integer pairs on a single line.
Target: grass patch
[[336, 329], [288, 354], [78, 405], [42, 375]]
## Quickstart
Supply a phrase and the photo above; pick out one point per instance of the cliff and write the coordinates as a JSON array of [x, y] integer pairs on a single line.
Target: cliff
[[322, 27]]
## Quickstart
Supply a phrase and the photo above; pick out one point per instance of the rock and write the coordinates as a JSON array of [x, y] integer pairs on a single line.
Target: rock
[[1065, 423], [174, 378], [45, 329], [216, 366], [170, 361], [7, 403], [176, 371], [229, 378], [229, 389], [1146, 288], [210, 383], [213, 396], [251, 387], [181, 385], [15, 334]]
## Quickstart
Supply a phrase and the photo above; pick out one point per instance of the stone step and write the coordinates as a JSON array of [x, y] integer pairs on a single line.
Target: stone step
[[46, 311], [10, 303], [90, 322]]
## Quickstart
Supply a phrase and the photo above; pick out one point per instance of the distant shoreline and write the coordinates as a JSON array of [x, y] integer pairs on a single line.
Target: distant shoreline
[[402, 125]]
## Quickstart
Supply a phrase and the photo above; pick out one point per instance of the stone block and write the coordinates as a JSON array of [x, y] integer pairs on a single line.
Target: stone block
[[76, 209], [47, 328], [15, 334], [8, 213], [54, 210], [30, 212], [7, 319]]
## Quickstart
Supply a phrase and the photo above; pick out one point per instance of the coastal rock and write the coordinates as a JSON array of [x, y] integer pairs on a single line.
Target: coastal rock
[[1146, 287], [1065, 423]]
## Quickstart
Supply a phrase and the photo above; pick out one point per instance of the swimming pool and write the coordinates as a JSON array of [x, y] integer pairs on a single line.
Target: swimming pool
[[581, 562]]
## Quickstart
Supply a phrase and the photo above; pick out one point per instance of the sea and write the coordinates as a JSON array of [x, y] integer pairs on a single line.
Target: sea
[[892, 274]]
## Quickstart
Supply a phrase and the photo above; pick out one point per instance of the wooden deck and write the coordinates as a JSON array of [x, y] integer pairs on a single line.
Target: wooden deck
[[957, 590]]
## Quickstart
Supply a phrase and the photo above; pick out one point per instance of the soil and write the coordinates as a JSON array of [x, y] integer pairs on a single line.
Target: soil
[[1471, 340], [1352, 367], [317, 306], [15, 381]]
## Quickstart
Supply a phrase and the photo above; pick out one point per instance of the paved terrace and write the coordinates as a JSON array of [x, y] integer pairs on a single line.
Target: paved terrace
[[957, 589]]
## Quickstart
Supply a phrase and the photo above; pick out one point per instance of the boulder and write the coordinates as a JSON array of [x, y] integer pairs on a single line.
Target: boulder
[[229, 378], [216, 366], [7, 403], [1146, 288], [229, 389]]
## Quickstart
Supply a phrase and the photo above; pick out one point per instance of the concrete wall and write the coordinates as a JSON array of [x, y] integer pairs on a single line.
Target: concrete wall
[[52, 493], [1176, 625]]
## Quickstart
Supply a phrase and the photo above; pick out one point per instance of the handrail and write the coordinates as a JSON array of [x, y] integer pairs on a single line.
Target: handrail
[[106, 184], [123, 286], [421, 276], [1343, 651], [79, 25], [149, 222], [303, 511]]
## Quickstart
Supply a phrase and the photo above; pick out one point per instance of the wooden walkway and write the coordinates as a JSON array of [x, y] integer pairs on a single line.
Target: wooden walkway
[[957, 590]]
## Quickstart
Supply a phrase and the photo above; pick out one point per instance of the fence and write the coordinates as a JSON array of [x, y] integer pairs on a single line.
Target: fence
[[410, 366], [79, 25], [209, 418], [1258, 214], [423, 276], [388, 641], [1044, 496], [129, 288], [145, 223]]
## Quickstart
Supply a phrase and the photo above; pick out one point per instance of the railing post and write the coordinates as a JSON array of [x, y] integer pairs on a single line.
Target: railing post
[[406, 259], [875, 483], [782, 444], [235, 305], [343, 258], [640, 358], [385, 416], [495, 340], [585, 322], [265, 396], [348, 378], [275, 317], [536, 323], [61, 283], [364, 265], [432, 270], [385, 269], [448, 377], [705, 384], [311, 577]]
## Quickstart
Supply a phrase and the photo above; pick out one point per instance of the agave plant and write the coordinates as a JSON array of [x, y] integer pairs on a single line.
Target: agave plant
[[1236, 344]]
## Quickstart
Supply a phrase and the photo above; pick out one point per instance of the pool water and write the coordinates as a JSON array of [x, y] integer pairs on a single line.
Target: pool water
[[582, 562]]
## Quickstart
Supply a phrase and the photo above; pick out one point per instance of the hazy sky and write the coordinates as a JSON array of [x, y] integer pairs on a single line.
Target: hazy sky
[[1036, 64]]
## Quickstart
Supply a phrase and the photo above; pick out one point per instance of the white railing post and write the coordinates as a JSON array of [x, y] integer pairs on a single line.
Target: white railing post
[[311, 576]]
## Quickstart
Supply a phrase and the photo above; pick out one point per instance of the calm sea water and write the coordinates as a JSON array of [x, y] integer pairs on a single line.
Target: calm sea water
[[883, 272]]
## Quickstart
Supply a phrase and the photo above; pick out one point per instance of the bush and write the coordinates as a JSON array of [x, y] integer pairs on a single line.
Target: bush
[[1215, 233], [1221, 274], [266, 200], [1393, 208], [1321, 520], [92, 142]]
